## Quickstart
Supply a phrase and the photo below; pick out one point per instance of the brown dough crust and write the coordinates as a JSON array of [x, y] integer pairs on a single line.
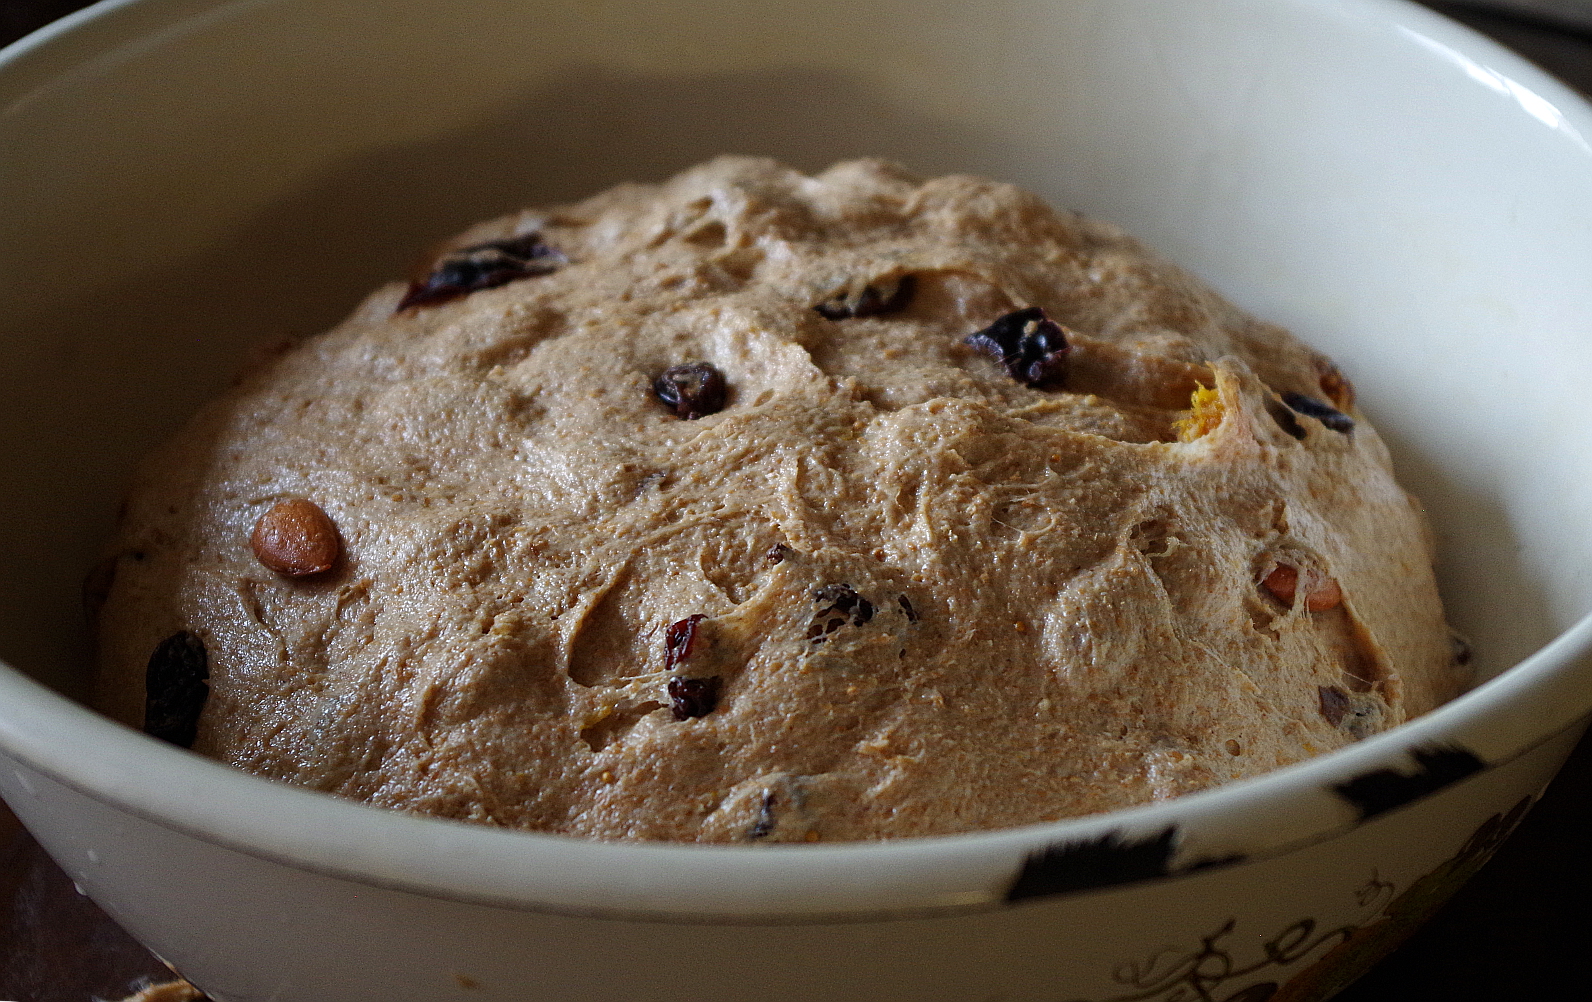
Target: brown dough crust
[[1065, 608]]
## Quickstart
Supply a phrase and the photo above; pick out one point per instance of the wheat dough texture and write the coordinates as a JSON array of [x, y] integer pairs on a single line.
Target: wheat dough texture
[[933, 598]]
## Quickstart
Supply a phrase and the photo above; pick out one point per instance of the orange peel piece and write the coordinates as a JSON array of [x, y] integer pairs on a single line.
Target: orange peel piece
[[1205, 413]]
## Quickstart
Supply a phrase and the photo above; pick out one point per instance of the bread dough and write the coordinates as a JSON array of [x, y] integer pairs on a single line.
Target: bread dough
[[932, 598]]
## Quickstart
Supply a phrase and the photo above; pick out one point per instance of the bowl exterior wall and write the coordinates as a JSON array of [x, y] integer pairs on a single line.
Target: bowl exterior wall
[[1293, 927]]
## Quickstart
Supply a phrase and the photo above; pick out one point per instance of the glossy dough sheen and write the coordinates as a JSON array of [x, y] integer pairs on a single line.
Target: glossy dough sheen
[[1065, 612]]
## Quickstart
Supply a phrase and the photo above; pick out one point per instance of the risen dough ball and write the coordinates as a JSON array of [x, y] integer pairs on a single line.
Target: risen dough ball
[[886, 588]]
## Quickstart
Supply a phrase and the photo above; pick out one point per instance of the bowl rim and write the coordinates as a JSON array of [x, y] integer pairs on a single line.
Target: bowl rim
[[1545, 694]]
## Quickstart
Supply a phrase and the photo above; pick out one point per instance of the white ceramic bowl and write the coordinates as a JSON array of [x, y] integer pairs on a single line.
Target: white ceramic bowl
[[182, 178]]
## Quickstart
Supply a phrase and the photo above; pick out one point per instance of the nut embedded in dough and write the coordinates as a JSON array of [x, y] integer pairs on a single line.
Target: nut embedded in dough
[[296, 539]]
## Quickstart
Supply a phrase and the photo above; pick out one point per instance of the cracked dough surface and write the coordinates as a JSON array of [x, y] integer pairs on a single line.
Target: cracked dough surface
[[1065, 607]]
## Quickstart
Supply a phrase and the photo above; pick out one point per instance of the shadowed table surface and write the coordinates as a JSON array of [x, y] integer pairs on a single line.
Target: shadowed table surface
[[1518, 930]]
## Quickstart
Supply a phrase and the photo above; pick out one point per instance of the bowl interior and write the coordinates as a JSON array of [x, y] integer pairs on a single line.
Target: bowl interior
[[182, 180]]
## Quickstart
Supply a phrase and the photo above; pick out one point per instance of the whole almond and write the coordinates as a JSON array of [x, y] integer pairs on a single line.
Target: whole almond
[[296, 538]]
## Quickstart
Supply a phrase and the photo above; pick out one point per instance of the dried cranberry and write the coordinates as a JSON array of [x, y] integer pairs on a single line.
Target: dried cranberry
[[1323, 412], [1029, 345], [693, 697], [678, 640], [691, 390], [483, 266], [176, 687], [884, 296]]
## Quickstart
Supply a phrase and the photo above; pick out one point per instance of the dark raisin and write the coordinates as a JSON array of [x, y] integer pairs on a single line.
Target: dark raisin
[[837, 603], [693, 697], [1461, 648], [843, 598], [691, 390], [175, 689], [873, 299], [483, 266], [1323, 412], [1030, 346], [678, 640], [1285, 419], [1334, 703], [766, 819], [777, 553], [906, 607], [838, 596]]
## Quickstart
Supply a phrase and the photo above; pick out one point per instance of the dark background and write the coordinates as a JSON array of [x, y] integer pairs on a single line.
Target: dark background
[[1519, 930]]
